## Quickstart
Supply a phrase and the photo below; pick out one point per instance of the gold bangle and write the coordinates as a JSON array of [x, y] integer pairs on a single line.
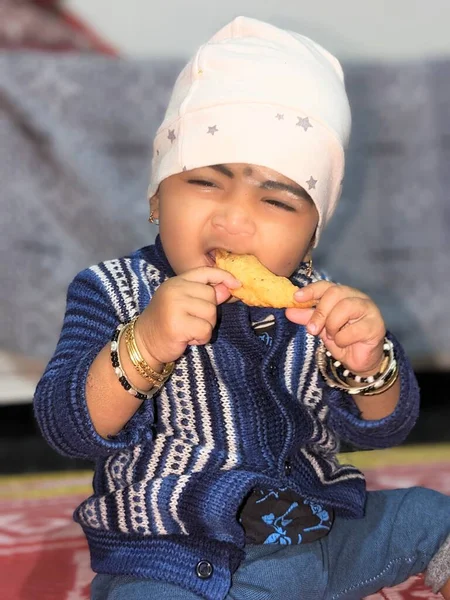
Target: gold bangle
[[140, 364], [120, 371], [387, 386]]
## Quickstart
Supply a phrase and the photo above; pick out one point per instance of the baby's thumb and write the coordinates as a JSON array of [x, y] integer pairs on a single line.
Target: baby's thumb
[[222, 293], [301, 316]]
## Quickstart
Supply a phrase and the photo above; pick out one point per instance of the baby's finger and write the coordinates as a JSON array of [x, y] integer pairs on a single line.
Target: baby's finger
[[212, 276], [197, 331], [312, 291], [364, 331], [345, 312], [222, 293], [202, 309], [332, 295]]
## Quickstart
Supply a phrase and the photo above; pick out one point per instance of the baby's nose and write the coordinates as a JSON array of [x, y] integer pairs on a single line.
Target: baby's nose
[[234, 219]]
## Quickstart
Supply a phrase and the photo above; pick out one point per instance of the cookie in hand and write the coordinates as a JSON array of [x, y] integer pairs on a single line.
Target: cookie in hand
[[260, 287]]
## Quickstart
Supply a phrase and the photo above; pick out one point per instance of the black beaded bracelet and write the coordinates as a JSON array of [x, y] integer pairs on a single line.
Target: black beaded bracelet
[[118, 369], [344, 380]]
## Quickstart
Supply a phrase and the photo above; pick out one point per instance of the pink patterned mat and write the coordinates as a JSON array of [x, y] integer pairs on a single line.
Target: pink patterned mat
[[43, 555]]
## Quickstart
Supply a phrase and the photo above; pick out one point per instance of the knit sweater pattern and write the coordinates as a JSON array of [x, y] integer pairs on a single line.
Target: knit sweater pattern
[[167, 489]]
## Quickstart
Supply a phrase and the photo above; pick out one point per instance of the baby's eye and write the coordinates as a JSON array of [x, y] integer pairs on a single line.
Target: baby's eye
[[203, 182], [280, 204]]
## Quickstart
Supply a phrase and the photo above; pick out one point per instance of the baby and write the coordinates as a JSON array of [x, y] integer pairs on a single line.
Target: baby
[[214, 426]]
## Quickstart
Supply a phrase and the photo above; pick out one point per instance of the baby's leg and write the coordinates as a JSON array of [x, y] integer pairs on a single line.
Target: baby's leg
[[107, 587], [268, 572], [398, 537]]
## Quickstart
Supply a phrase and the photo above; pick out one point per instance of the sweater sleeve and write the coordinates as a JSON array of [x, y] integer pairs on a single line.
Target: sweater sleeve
[[346, 420], [60, 399]]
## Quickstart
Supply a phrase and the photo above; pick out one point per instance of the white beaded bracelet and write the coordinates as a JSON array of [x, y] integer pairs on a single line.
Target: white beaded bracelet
[[372, 385]]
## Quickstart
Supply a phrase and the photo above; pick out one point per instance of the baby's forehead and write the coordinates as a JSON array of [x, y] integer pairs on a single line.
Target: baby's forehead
[[261, 176], [247, 170]]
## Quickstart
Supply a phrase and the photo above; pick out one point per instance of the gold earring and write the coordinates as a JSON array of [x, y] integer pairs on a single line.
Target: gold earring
[[152, 219], [309, 268]]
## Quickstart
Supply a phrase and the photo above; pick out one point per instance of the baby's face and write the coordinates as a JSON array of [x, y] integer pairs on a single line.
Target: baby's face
[[246, 209]]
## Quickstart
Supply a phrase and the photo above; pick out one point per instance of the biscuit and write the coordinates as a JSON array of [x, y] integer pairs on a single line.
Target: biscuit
[[260, 287]]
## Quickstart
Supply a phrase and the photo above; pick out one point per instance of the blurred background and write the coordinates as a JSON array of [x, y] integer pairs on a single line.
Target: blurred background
[[83, 87]]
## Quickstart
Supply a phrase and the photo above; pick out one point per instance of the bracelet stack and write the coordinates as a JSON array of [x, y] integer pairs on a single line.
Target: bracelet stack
[[141, 366], [119, 370], [337, 376], [156, 379]]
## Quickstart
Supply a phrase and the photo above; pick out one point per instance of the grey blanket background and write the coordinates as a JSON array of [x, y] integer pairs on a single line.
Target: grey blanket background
[[75, 144]]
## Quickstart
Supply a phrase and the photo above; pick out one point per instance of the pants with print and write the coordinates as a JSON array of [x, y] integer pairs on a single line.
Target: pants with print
[[401, 532]]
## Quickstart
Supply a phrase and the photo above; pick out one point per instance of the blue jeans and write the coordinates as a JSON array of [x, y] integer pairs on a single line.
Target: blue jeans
[[397, 538]]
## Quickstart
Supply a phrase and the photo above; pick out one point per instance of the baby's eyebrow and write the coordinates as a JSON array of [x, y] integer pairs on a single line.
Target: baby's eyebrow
[[247, 172], [269, 184], [224, 170], [286, 187]]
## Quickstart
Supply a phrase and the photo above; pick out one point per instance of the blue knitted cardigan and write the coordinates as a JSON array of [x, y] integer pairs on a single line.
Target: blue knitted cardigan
[[168, 487]]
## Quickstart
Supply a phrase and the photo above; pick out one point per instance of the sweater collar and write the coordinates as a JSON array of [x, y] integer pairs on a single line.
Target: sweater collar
[[235, 324]]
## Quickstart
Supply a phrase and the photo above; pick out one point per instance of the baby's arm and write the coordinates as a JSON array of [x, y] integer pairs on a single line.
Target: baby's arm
[[60, 401], [352, 328], [79, 401], [349, 423], [182, 312]]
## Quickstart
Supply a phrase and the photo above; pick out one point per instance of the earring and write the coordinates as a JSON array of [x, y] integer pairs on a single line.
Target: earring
[[152, 219], [309, 268]]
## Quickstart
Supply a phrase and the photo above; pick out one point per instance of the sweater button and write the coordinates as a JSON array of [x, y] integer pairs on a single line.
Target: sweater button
[[287, 468], [273, 369], [204, 569]]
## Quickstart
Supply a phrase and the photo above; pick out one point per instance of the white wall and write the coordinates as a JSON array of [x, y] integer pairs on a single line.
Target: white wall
[[353, 29]]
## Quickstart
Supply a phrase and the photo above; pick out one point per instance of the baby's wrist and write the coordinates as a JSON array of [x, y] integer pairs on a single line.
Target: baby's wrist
[[147, 355], [134, 377], [369, 372], [374, 382], [151, 369]]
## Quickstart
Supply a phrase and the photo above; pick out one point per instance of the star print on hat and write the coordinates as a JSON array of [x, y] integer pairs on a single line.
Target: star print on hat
[[261, 95]]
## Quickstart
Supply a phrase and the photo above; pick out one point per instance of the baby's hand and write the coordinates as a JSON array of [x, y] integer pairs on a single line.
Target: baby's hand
[[182, 312], [348, 321]]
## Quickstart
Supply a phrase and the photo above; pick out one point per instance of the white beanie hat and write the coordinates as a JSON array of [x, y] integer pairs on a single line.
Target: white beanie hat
[[260, 95]]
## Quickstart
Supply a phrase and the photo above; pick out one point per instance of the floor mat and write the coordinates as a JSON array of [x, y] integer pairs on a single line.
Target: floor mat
[[43, 554]]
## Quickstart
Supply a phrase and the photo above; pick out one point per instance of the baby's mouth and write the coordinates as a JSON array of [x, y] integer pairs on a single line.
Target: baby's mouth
[[211, 258], [211, 255]]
